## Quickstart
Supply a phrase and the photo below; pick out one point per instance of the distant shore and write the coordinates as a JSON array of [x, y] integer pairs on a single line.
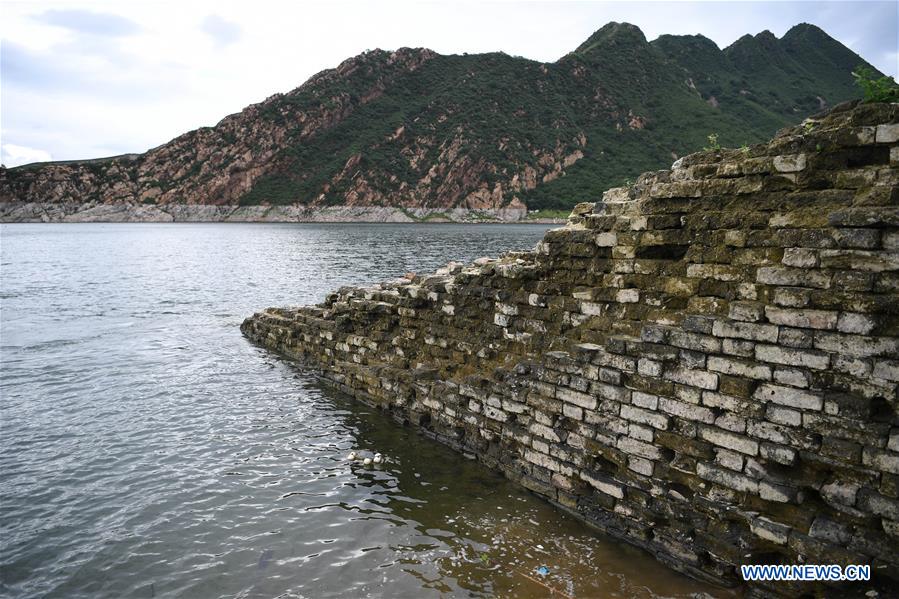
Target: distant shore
[[74, 212]]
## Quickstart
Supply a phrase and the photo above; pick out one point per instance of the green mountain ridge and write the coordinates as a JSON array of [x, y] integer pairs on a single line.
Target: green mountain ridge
[[414, 129]]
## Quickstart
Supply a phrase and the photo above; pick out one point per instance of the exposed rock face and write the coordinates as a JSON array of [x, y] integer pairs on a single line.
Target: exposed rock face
[[413, 129], [73, 212], [705, 364]]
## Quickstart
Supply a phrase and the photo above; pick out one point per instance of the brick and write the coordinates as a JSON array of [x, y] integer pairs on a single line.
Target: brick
[[791, 377], [888, 133], [792, 357], [717, 272], [856, 346], [686, 410], [645, 400], [638, 448], [800, 257], [648, 417], [729, 440], [745, 330], [842, 492], [694, 341], [694, 378], [738, 347], [790, 163], [739, 368], [780, 493], [604, 485], [787, 396], [778, 453], [573, 412], [648, 367], [885, 461], [771, 531], [856, 324], [887, 370], [588, 402], [606, 239], [793, 277], [731, 422], [810, 319], [798, 338], [730, 459], [746, 311], [863, 260], [780, 415], [726, 478], [640, 465]]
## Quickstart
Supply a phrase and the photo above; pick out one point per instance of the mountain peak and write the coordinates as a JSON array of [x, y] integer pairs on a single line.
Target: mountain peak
[[613, 34]]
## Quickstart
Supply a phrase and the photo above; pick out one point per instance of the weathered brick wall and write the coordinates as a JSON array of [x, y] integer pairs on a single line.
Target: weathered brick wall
[[705, 364]]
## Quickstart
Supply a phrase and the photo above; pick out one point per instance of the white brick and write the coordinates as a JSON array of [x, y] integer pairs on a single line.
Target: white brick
[[645, 400], [790, 163], [607, 239], [507, 309], [592, 308], [781, 415], [608, 487], [686, 410], [730, 440], [887, 133], [739, 368], [787, 396], [800, 257], [640, 465], [766, 529], [694, 378], [807, 319], [588, 402], [745, 330], [792, 357], [648, 417], [791, 377], [730, 459], [726, 478], [627, 296], [857, 324]]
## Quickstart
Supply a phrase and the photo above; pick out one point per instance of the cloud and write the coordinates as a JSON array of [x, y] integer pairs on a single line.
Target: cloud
[[14, 155], [222, 32], [89, 22]]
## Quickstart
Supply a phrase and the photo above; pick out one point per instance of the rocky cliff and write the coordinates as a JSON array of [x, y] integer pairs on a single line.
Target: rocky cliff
[[414, 130], [705, 364]]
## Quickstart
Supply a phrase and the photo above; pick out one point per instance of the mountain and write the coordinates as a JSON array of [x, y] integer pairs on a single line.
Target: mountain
[[414, 129]]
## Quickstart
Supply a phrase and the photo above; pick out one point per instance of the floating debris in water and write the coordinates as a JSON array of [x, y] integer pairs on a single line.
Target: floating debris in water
[[542, 570]]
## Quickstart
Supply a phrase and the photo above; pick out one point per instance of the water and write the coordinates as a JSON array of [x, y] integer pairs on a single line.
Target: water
[[148, 450]]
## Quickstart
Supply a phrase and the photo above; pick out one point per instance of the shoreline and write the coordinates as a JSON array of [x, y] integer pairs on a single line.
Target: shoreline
[[72, 212]]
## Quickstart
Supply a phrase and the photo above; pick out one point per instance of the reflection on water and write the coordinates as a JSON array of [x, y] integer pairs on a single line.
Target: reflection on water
[[148, 450]]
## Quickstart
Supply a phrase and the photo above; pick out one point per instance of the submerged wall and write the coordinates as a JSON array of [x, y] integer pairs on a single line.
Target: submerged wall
[[705, 364]]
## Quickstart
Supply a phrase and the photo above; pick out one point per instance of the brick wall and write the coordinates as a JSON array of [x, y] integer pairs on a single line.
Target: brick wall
[[705, 364]]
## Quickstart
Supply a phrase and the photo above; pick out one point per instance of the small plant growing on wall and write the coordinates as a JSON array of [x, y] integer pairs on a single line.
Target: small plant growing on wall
[[875, 89], [713, 146]]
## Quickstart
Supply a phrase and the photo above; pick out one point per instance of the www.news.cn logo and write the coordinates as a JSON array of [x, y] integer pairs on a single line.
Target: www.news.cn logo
[[805, 572]]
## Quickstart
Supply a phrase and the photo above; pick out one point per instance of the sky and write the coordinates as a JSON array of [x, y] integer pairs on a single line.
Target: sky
[[86, 79]]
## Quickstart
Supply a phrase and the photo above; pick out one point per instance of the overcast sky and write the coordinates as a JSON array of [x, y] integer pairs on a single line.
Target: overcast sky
[[83, 79]]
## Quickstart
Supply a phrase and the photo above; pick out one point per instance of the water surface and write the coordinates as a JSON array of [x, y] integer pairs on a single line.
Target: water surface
[[148, 450]]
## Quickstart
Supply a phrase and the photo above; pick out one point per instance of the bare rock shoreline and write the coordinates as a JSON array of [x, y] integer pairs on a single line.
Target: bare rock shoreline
[[76, 212]]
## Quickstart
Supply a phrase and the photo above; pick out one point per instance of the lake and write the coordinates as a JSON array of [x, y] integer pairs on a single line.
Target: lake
[[149, 450]]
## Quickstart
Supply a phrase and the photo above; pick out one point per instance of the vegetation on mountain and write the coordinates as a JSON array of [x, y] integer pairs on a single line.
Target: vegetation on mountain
[[874, 88], [412, 128]]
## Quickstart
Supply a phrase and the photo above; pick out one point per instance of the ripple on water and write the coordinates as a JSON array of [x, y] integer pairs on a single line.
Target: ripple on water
[[149, 451]]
